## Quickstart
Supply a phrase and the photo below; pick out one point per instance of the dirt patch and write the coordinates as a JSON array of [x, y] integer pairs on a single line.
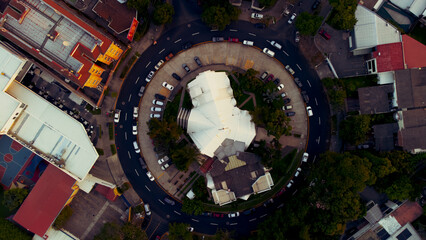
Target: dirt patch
[[310, 51]]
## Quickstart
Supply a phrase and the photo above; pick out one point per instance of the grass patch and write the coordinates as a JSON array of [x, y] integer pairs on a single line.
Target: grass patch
[[238, 92], [382, 118], [127, 67], [111, 130], [100, 131], [124, 57], [94, 111], [100, 151], [4, 211], [249, 105], [114, 94], [419, 33], [113, 149], [297, 135], [352, 84], [280, 166]]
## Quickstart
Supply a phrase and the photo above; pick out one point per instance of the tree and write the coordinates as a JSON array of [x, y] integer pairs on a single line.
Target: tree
[[308, 24], [63, 217], [164, 133], [163, 13], [113, 231], [10, 231], [179, 231], [110, 231], [219, 14], [132, 232], [13, 198], [267, 3], [184, 156], [192, 207], [343, 14], [223, 234], [354, 129], [140, 5]]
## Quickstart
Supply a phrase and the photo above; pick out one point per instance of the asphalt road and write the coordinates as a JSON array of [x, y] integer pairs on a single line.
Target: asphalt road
[[172, 41]]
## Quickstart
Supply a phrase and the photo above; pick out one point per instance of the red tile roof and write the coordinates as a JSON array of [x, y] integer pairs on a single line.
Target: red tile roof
[[45, 201], [414, 52], [389, 57], [118, 15], [207, 165], [106, 191], [407, 212]]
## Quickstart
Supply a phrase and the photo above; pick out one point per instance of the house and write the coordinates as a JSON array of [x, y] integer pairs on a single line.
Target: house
[[385, 136], [376, 99]]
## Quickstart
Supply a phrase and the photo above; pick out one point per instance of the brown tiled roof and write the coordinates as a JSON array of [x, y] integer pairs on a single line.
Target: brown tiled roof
[[373, 100], [407, 212], [411, 88], [118, 15], [412, 136], [384, 136]]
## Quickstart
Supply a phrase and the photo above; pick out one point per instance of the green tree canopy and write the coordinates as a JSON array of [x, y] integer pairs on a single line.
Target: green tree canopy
[[267, 3], [164, 133], [308, 24], [63, 217], [343, 15], [183, 156], [140, 5], [219, 14], [132, 232], [163, 13], [13, 198], [192, 207], [113, 231], [354, 129], [179, 231], [10, 231], [110, 231]]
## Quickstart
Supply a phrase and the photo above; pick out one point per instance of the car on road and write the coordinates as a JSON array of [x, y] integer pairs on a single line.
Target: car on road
[[269, 202], [135, 129], [190, 229], [135, 112], [305, 157], [169, 56], [149, 174], [168, 86], [207, 214], [141, 91], [277, 81], [297, 172], [154, 115], [305, 96], [197, 61], [324, 34], [136, 147], [316, 4], [263, 76], [186, 46], [280, 192], [297, 37], [147, 210], [169, 201], [142, 162], [117, 115], [218, 215], [248, 43], [256, 16], [163, 160], [235, 40], [177, 77], [260, 25], [280, 87], [276, 45], [249, 211], [288, 9], [268, 52], [288, 107], [233, 215], [298, 82], [218, 39], [157, 102], [309, 110], [290, 114], [290, 184], [286, 100], [165, 166], [159, 96], [156, 109], [291, 20], [270, 77], [149, 77], [184, 66], [289, 69], [159, 64]]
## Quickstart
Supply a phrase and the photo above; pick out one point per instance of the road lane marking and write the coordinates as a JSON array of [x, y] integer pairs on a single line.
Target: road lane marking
[[214, 30], [253, 219], [137, 80], [309, 83], [298, 67], [125, 135], [178, 213], [195, 220], [125, 117], [281, 205], [314, 158], [319, 121], [147, 188], [161, 51], [268, 41], [180, 39], [214, 224], [316, 101], [137, 172], [147, 65], [294, 192], [129, 154], [286, 53], [264, 215], [233, 30], [161, 202], [232, 224], [130, 97], [252, 34], [195, 33], [318, 139]]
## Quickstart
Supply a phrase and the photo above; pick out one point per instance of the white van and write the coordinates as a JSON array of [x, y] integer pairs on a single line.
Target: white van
[[136, 146], [268, 52], [248, 43], [147, 210]]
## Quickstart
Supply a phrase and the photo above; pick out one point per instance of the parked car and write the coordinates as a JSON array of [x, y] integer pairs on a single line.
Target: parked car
[[286, 100], [233, 215], [177, 77], [293, 16], [277, 81], [159, 64], [309, 110], [280, 192], [165, 166], [316, 4], [136, 147], [324, 34], [207, 214], [269, 202], [169, 201], [135, 112], [154, 115], [149, 77], [305, 157], [280, 87], [149, 174], [156, 109], [289, 69], [248, 43], [288, 9], [168, 86], [297, 37], [249, 211], [163, 160], [283, 95], [288, 107], [135, 129], [270, 77], [256, 16], [184, 66], [142, 162], [197, 61], [268, 52], [187, 45], [147, 210], [260, 25], [218, 39], [263, 76], [235, 40], [298, 82], [290, 114], [141, 91], [160, 97], [218, 215], [157, 102], [290, 184], [117, 115], [276, 45], [169, 56], [296, 174]]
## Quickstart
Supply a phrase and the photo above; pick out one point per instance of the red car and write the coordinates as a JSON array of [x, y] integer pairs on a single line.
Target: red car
[[168, 57], [218, 215], [235, 40], [324, 34], [280, 192], [270, 77]]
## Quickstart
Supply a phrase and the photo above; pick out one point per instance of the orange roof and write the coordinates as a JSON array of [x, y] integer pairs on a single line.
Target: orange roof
[[414, 52]]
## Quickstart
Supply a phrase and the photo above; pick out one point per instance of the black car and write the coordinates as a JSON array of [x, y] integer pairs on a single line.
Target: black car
[[247, 212], [184, 66], [169, 201], [177, 77], [197, 60], [267, 203], [289, 114], [218, 39], [142, 162], [316, 4], [187, 45], [260, 25], [286, 100], [277, 81], [160, 97]]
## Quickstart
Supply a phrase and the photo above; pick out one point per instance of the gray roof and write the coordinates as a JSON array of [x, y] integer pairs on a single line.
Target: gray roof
[[412, 135], [377, 99], [384, 136], [411, 88]]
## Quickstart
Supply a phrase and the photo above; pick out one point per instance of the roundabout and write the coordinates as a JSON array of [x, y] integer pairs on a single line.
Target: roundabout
[[313, 130]]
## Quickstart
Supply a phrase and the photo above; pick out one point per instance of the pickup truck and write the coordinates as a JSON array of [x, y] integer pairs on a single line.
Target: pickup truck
[[288, 9]]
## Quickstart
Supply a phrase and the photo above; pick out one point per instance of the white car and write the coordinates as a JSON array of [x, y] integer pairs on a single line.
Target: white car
[[154, 115], [290, 21], [248, 43], [157, 102], [135, 112], [305, 157], [117, 116], [233, 215], [280, 87], [256, 16], [149, 77], [149, 174], [283, 95], [159, 64], [135, 130], [309, 110], [136, 147], [288, 107], [163, 160], [289, 69], [290, 184], [155, 109], [268, 52], [165, 166], [297, 172], [168, 86], [190, 229], [276, 45]]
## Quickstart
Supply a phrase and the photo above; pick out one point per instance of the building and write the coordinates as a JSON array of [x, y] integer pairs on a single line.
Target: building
[[376, 99], [415, 7], [59, 39], [385, 136]]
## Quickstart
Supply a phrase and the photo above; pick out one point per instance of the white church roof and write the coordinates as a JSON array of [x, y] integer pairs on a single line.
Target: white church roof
[[215, 117]]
